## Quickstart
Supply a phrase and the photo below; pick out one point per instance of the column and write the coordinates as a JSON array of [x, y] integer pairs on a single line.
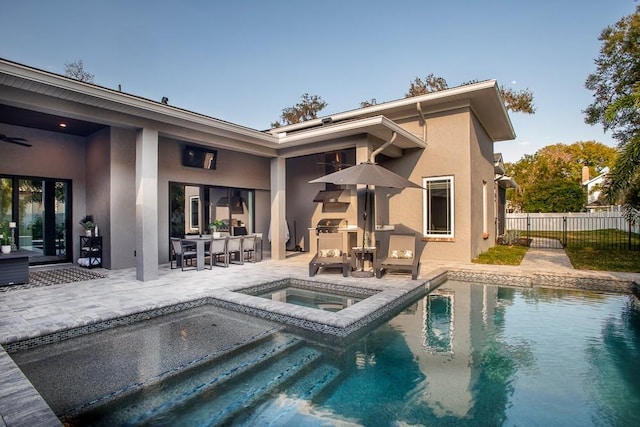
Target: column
[[278, 208], [147, 204]]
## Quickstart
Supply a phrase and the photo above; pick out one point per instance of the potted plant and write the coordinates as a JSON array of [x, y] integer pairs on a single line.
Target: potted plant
[[5, 238], [88, 224], [215, 226]]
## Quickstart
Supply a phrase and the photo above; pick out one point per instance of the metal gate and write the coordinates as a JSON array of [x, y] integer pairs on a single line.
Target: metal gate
[[578, 230]]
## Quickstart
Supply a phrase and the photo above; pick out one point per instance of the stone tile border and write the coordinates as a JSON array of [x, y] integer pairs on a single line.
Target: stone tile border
[[589, 282]]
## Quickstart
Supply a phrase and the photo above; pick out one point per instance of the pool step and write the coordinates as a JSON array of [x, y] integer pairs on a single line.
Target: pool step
[[142, 406], [285, 410], [213, 407]]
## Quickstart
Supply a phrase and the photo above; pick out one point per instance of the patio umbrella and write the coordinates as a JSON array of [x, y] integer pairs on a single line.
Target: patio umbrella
[[366, 173]]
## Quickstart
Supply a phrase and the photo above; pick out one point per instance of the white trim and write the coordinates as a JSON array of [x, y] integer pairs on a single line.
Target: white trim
[[425, 227]]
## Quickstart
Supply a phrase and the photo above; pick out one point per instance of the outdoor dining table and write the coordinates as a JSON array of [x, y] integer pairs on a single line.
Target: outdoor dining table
[[199, 241]]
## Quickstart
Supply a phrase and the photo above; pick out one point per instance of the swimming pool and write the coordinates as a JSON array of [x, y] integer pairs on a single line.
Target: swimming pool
[[308, 298], [465, 354]]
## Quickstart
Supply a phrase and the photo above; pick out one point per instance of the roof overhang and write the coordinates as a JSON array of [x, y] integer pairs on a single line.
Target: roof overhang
[[379, 127], [46, 92], [483, 98], [507, 182]]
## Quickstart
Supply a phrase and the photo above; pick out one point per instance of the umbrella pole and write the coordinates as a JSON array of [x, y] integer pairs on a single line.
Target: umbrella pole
[[364, 226], [361, 272]]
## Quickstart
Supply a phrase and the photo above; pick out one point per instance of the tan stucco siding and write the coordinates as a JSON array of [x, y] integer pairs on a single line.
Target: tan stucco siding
[[482, 170], [447, 154]]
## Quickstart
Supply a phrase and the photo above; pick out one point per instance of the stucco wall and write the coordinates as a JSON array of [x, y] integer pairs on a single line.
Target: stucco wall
[[122, 234], [482, 170], [447, 154], [99, 187], [232, 170], [52, 155]]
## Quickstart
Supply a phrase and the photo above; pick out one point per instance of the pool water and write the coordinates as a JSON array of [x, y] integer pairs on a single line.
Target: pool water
[[311, 298], [464, 355]]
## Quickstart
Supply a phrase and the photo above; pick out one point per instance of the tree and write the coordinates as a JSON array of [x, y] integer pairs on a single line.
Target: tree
[[557, 195], [558, 163], [616, 106], [306, 109], [430, 84], [516, 101], [368, 103], [76, 70]]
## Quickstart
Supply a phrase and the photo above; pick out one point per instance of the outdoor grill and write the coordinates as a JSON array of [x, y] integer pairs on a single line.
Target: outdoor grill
[[330, 225]]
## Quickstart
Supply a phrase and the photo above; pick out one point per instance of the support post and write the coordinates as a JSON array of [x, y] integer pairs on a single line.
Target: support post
[[147, 205]]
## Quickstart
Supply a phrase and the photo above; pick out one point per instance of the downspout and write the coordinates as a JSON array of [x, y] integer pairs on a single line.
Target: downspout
[[372, 158], [423, 121]]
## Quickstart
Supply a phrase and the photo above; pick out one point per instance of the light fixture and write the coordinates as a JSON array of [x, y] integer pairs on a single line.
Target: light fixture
[[62, 125]]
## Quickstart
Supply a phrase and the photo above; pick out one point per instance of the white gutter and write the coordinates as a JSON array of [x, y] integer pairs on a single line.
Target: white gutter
[[372, 159], [353, 126]]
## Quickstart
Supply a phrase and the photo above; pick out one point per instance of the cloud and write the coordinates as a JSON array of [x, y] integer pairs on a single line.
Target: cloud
[[523, 143], [513, 82]]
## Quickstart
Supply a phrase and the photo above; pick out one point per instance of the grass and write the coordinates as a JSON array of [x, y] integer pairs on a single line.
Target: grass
[[588, 258], [502, 255], [603, 250]]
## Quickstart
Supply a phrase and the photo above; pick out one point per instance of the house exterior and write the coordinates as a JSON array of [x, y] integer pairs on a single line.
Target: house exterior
[[147, 170], [593, 188]]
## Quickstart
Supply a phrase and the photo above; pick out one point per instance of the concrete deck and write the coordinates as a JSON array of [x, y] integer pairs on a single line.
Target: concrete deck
[[31, 313]]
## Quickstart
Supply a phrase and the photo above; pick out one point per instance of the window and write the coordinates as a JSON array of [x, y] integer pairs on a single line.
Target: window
[[485, 197], [195, 212], [438, 207]]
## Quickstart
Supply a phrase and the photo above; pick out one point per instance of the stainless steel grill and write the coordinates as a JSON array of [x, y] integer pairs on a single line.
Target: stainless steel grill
[[330, 225]]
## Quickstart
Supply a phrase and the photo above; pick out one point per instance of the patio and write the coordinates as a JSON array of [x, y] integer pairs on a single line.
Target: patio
[[33, 312]]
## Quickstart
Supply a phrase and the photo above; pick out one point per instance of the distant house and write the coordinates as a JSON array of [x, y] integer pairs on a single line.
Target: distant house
[[147, 170], [593, 188], [502, 183]]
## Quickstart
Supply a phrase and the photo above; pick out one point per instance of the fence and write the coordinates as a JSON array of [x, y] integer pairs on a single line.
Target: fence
[[599, 230]]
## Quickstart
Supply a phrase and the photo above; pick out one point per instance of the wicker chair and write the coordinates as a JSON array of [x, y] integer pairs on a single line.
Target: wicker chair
[[234, 249], [250, 251], [182, 253], [217, 249]]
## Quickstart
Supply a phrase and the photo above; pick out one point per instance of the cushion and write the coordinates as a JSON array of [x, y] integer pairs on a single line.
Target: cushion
[[402, 253], [330, 253]]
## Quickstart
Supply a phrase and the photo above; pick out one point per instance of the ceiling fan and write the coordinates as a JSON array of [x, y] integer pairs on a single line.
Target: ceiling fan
[[13, 140], [334, 160]]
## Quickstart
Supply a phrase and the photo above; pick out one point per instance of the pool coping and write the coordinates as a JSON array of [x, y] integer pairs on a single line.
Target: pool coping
[[21, 404]]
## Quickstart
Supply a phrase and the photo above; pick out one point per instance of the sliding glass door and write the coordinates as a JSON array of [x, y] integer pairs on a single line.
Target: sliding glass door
[[193, 207], [41, 209]]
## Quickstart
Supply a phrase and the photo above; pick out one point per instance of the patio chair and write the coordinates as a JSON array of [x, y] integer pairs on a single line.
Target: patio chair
[[234, 249], [250, 251], [331, 254], [182, 253], [217, 249], [401, 256]]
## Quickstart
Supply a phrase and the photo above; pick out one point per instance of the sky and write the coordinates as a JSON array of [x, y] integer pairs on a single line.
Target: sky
[[244, 61]]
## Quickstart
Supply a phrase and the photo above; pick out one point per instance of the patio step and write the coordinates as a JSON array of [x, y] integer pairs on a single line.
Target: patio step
[[145, 405], [216, 405]]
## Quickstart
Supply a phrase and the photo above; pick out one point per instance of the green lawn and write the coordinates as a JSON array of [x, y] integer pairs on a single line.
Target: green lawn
[[586, 258], [502, 255], [603, 250], [609, 239]]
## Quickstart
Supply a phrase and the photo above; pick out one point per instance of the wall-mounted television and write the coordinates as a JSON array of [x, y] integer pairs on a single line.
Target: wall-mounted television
[[198, 157]]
